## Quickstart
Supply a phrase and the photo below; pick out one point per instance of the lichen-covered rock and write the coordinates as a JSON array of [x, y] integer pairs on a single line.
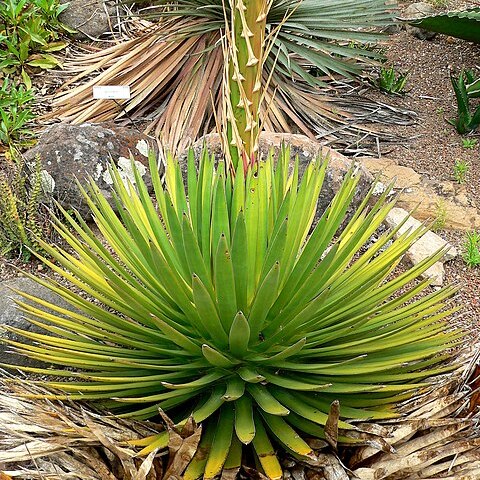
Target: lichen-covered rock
[[70, 152], [90, 19], [306, 150], [419, 10]]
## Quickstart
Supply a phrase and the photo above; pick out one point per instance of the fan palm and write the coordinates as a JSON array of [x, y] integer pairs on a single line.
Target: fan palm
[[175, 68]]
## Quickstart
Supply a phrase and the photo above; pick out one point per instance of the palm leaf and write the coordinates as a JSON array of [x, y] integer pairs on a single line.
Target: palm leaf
[[175, 70]]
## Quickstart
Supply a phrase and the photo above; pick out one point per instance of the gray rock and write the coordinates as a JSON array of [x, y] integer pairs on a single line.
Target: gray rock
[[424, 247], [70, 152], [392, 29], [90, 18], [419, 10], [10, 315], [306, 150]]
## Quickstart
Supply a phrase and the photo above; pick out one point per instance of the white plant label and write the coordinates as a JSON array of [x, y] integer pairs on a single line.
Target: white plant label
[[111, 92]]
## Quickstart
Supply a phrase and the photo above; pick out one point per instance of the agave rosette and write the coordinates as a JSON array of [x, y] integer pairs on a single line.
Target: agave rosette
[[225, 304]]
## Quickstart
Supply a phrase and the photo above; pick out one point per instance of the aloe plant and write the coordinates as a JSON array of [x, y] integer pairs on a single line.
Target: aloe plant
[[391, 82], [222, 303], [472, 84], [466, 121]]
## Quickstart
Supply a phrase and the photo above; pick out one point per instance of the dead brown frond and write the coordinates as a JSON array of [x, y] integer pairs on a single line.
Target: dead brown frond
[[436, 438], [174, 75], [55, 440]]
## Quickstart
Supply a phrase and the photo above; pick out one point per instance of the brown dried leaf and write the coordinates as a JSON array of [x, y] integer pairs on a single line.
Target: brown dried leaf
[[145, 467], [229, 474], [329, 465], [123, 454], [182, 451], [331, 425], [253, 474]]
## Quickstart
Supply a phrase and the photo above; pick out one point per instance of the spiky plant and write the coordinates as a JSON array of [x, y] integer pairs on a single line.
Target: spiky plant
[[226, 304], [222, 302], [22, 214], [175, 69]]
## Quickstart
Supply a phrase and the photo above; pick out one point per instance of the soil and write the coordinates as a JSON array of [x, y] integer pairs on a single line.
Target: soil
[[433, 144]]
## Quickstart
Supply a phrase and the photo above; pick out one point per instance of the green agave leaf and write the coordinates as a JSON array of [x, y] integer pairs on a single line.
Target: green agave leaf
[[287, 435], [265, 451], [221, 443], [240, 266], [196, 467], [223, 304], [235, 389], [239, 336], [244, 422], [264, 299], [265, 400], [234, 460], [207, 313], [461, 24], [217, 359], [210, 406], [225, 284]]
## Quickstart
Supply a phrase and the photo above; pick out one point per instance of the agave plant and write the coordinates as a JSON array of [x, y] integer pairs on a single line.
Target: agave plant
[[175, 69], [461, 23], [224, 303], [465, 87]]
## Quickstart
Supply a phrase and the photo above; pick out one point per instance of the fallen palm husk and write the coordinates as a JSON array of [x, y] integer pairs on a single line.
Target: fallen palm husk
[[61, 440]]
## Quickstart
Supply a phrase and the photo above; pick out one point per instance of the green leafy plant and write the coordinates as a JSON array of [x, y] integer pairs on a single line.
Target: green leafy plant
[[460, 170], [440, 216], [466, 121], [472, 84], [219, 303], [22, 218], [471, 249], [29, 33], [469, 143], [391, 82], [15, 113]]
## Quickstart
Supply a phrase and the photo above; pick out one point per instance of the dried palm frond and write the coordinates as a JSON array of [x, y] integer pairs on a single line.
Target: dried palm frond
[[175, 68], [54, 440], [433, 441]]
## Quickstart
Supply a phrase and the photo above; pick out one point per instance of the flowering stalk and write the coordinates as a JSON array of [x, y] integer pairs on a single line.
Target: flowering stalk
[[244, 53]]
